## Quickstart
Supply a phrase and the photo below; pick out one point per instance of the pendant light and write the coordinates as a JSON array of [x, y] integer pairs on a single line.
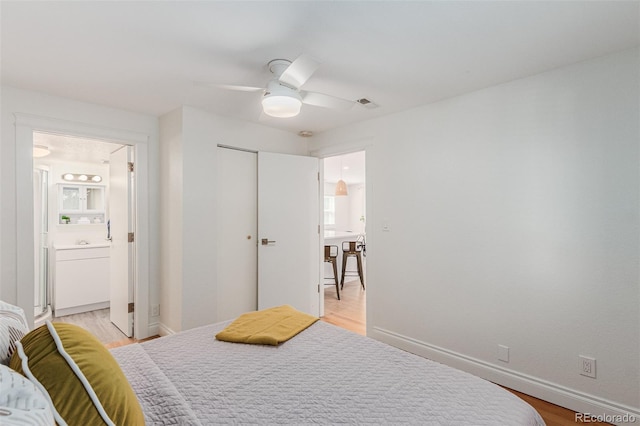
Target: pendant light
[[341, 186]]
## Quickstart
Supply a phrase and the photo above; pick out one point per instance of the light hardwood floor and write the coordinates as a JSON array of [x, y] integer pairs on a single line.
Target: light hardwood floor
[[350, 313], [98, 323]]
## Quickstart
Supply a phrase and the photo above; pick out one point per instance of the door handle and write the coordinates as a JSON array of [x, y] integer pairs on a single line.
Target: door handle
[[266, 241]]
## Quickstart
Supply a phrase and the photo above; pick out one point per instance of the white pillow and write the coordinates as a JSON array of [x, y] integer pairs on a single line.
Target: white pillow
[[21, 402], [13, 326]]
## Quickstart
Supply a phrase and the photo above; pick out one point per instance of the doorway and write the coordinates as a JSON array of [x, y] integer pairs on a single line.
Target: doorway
[[344, 222], [71, 215]]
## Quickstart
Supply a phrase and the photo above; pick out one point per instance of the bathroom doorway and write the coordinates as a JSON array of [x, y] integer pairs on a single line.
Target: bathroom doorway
[[71, 227], [344, 212]]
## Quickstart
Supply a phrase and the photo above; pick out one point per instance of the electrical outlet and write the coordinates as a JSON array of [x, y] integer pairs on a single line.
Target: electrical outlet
[[155, 310], [587, 366]]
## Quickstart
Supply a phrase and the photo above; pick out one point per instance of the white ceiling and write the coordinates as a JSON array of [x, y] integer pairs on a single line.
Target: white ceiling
[[72, 149], [149, 56]]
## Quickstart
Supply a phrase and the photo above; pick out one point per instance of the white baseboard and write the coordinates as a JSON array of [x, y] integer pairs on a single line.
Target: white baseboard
[[552, 392], [163, 330]]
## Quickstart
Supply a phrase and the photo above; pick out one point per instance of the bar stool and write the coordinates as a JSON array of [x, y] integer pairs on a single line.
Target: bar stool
[[331, 256], [352, 249]]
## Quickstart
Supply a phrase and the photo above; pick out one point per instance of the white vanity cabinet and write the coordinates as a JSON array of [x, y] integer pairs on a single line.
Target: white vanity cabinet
[[81, 278]]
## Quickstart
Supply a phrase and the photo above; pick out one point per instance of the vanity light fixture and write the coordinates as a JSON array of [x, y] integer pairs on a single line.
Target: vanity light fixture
[[40, 151], [81, 177]]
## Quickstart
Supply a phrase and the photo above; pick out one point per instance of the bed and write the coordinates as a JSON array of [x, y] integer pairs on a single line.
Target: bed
[[323, 375]]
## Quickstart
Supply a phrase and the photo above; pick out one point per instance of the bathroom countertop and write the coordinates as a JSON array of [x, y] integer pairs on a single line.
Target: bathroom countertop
[[79, 246]]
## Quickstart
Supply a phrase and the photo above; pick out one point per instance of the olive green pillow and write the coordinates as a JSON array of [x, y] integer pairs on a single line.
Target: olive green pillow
[[84, 381]]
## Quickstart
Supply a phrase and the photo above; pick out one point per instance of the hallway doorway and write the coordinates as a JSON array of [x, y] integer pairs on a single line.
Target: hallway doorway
[[344, 221]]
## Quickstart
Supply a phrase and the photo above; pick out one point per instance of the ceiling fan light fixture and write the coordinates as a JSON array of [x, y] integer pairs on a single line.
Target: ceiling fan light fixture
[[282, 97], [281, 106], [281, 101]]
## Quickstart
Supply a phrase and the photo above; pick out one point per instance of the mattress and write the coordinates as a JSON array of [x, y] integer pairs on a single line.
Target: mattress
[[323, 375]]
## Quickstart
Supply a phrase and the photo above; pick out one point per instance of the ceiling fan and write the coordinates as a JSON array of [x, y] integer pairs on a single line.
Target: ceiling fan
[[282, 97]]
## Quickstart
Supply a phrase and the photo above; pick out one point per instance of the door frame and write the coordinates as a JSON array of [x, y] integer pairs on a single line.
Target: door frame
[[366, 145], [25, 125]]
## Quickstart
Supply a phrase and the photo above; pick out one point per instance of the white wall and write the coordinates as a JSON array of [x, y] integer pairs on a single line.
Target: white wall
[[520, 227], [16, 250], [348, 208], [341, 208], [189, 139], [171, 217], [357, 203]]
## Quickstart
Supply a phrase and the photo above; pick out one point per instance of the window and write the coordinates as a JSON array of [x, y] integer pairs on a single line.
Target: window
[[329, 210]]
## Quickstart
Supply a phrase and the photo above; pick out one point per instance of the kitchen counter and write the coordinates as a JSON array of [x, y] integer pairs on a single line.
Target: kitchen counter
[[341, 235]]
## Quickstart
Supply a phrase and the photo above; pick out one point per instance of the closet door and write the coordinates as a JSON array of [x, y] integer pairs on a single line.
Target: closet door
[[289, 232], [237, 232]]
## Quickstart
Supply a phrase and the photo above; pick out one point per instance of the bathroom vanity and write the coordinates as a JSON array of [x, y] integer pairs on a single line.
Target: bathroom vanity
[[80, 278]]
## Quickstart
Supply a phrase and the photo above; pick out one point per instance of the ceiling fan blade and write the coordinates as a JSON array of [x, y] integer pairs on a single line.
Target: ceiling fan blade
[[235, 87], [326, 101], [299, 71]]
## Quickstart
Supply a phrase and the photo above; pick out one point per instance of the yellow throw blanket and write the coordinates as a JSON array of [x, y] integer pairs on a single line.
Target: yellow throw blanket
[[267, 327]]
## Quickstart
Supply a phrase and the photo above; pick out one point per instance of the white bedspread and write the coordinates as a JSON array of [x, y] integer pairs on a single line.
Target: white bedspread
[[323, 375]]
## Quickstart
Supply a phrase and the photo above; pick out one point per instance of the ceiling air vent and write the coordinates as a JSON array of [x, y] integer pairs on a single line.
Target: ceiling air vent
[[367, 103]]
